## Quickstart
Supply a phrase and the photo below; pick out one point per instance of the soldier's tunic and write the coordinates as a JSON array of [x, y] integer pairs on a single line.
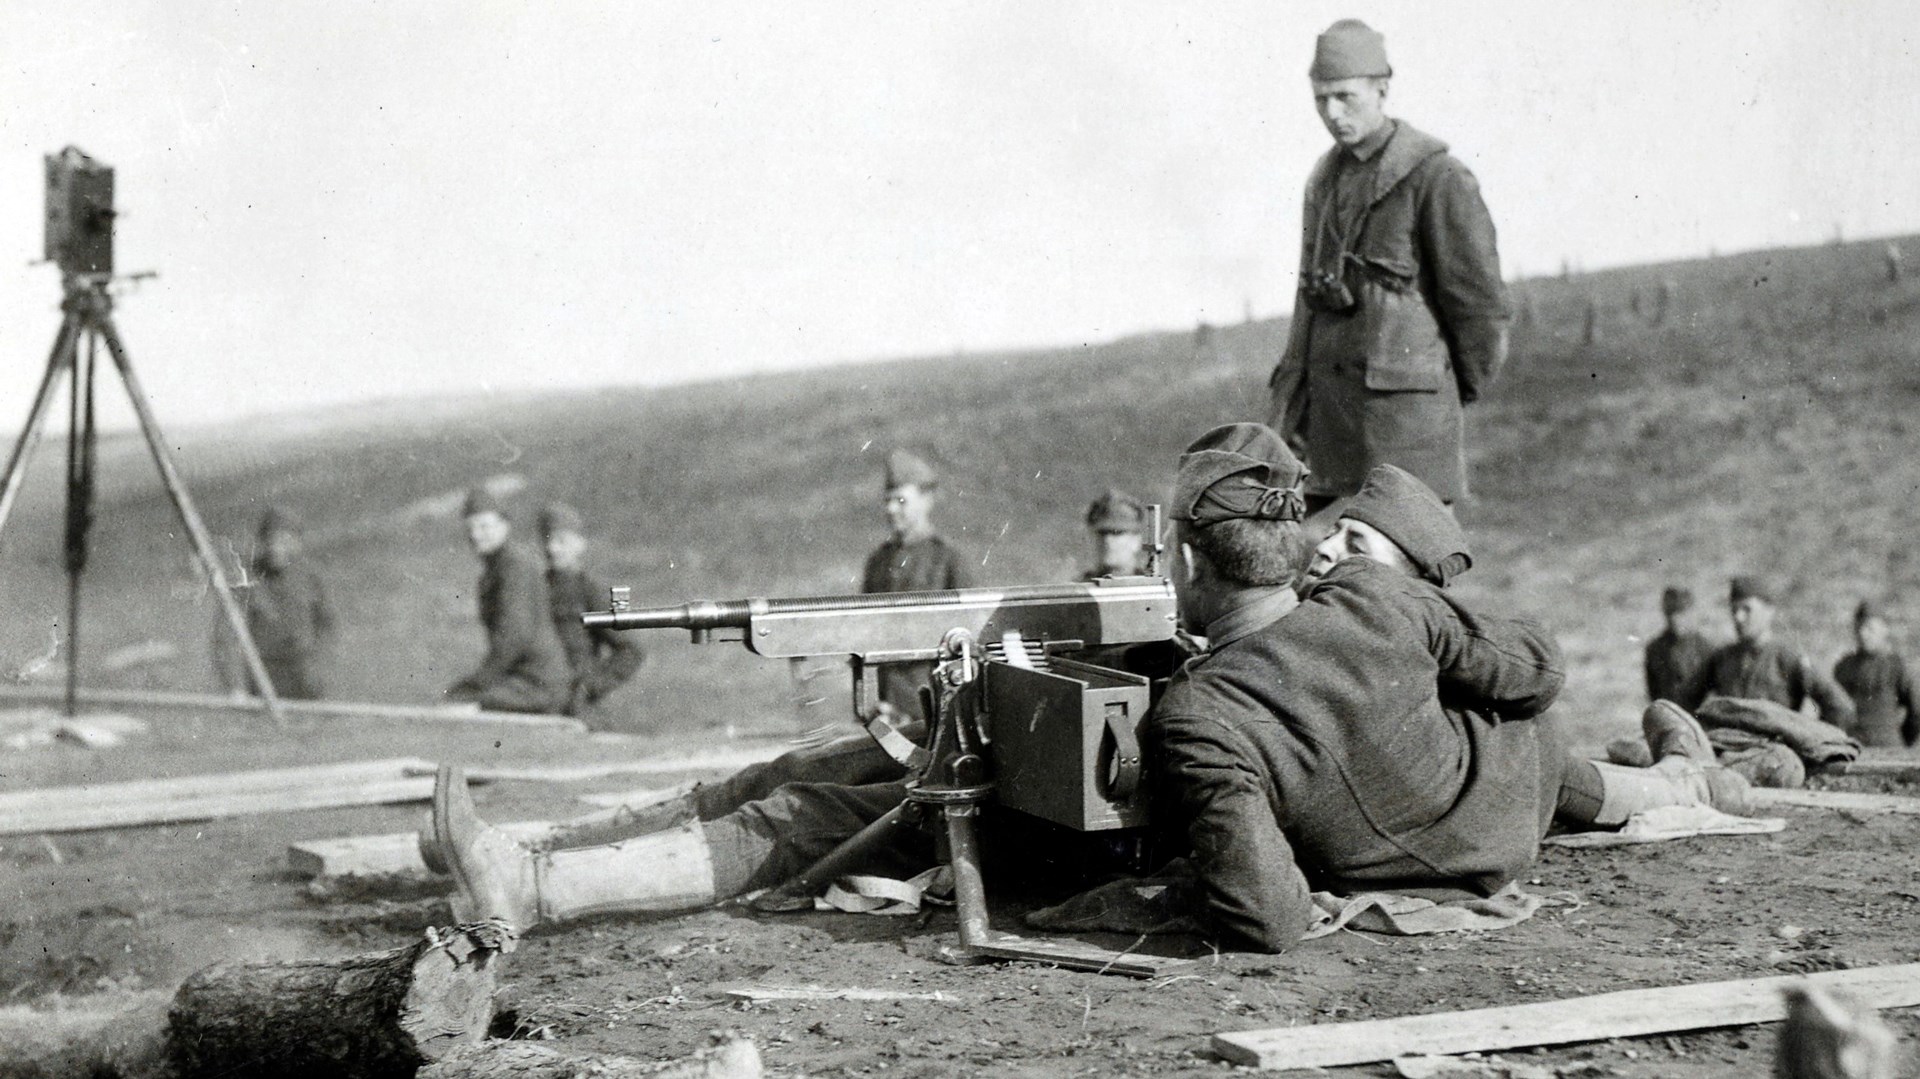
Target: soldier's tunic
[[1883, 698], [1768, 672], [1672, 659], [1400, 222], [922, 565], [601, 659], [1380, 736], [291, 622], [525, 669]]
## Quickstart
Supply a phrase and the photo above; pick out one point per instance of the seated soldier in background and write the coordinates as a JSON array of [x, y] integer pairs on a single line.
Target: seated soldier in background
[[1408, 750], [1877, 680], [1118, 522], [288, 616], [601, 659], [1676, 655], [525, 668], [1757, 667]]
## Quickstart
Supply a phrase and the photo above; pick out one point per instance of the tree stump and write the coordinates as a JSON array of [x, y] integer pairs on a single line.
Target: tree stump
[[366, 1016]]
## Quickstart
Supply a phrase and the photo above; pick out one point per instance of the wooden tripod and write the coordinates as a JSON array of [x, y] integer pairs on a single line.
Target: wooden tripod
[[89, 322]]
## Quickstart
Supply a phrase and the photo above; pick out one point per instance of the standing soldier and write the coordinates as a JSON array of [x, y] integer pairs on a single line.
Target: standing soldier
[[1675, 656], [914, 559], [288, 616], [525, 669], [1401, 318], [601, 659], [1877, 680], [1118, 522]]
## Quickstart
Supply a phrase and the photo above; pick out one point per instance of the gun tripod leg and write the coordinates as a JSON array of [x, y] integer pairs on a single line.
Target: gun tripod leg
[[798, 893]]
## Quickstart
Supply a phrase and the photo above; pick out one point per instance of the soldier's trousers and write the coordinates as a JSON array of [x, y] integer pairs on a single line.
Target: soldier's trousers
[[766, 841], [852, 760]]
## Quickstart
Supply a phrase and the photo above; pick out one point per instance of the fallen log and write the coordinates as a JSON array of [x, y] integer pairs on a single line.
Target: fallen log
[[1626, 1014], [384, 1014]]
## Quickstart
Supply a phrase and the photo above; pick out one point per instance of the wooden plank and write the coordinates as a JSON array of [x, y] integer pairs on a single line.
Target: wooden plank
[[1857, 801], [762, 993], [633, 799], [204, 797], [395, 854], [1626, 1014], [125, 698], [1908, 765]]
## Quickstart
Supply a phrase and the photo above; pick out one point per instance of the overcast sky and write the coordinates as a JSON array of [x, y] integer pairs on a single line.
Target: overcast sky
[[353, 199]]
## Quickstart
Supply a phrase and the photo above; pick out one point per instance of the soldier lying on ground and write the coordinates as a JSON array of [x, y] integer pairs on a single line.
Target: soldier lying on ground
[[1267, 793]]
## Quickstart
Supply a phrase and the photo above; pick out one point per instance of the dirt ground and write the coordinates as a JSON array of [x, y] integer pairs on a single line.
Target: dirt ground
[[140, 908]]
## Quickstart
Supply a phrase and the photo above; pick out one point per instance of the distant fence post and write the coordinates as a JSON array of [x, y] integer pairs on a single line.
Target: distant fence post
[[1590, 334], [1894, 263]]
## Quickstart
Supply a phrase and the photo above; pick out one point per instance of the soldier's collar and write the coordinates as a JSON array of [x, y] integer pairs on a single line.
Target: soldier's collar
[[1372, 144], [1262, 608]]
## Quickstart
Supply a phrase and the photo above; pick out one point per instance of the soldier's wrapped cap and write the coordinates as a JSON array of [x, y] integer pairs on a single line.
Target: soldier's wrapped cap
[[1407, 512], [481, 500], [905, 468], [1116, 511], [1676, 599], [1349, 49], [1746, 587], [279, 519], [560, 517], [1242, 471]]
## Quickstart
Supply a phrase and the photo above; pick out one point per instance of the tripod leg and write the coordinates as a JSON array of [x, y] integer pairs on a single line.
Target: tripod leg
[[190, 517], [798, 893], [58, 363]]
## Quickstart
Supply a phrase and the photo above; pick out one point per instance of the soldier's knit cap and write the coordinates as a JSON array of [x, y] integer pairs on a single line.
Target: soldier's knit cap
[[1407, 512], [560, 517], [1676, 599], [1116, 511], [1349, 49], [1868, 609], [904, 468], [1241, 471], [279, 519], [481, 500], [1747, 586]]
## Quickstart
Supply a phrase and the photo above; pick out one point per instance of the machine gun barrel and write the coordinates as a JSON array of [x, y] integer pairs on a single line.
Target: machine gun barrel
[[895, 626]]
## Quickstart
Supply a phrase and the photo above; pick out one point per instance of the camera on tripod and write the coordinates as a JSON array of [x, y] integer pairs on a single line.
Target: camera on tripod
[[79, 213]]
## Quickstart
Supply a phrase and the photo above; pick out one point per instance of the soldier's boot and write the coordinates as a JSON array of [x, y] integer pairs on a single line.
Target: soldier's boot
[[499, 878], [1684, 771]]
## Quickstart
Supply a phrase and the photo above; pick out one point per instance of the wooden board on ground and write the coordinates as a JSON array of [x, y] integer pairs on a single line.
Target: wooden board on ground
[[1905, 764], [395, 854], [1626, 1014], [205, 797], [206, 702], [760, 994], [1855, 801]]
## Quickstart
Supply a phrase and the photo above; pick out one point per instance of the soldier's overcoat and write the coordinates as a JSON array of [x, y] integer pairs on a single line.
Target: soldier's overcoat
[[1384, 382]]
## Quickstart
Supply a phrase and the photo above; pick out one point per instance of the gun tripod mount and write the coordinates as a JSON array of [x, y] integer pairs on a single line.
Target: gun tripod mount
[[79, 238]]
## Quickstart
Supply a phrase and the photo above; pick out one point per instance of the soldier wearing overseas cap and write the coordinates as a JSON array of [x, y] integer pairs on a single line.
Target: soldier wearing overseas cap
[[1118, 522], [1353, 778], [913, 559], [288, 615], [1758, 667], [1675, 656], [525, 668], [1401, 316], [601, 659], [1877, 680]]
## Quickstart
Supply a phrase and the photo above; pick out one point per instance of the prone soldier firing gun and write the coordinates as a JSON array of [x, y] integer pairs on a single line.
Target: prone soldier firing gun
[[1018, 717]]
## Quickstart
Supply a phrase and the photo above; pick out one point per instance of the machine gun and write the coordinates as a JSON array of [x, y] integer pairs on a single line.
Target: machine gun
[[1013, 718]]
